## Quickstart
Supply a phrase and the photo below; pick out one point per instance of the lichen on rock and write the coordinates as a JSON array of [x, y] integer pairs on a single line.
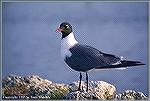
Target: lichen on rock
[[31, 87]]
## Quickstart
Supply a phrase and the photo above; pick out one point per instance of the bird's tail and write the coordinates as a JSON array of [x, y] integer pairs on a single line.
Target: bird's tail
[[124, 63]]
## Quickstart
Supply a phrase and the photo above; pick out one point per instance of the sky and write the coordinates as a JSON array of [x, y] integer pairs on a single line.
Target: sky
[[31, 46]]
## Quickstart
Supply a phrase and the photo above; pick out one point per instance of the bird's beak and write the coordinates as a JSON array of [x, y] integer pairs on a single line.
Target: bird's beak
[[58, 30]]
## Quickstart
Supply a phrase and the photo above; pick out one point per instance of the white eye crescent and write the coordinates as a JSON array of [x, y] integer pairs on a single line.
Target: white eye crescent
[[67, 26]]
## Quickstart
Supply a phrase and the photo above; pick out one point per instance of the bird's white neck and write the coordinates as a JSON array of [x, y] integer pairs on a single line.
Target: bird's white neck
[[69, 41], [66, 43]]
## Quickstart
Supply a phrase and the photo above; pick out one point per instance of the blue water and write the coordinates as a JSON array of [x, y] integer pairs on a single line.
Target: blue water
[[31, 46]]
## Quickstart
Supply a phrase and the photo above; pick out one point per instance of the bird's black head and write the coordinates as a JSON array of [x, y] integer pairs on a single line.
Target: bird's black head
[[65, 28]]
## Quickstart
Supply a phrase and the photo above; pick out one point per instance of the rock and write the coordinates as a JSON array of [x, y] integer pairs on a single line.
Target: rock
[[131, 95], [34, 88], [97, 90], [31, 87], [81, 95]]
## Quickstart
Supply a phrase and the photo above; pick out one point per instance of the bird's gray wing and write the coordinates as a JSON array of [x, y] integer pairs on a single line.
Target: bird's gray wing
[[83, 55]]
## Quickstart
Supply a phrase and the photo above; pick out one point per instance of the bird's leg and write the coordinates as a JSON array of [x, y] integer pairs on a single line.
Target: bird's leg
[[86, 81], [80, 82]]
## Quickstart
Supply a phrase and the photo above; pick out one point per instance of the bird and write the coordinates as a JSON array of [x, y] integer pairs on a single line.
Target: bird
[[83, 58]]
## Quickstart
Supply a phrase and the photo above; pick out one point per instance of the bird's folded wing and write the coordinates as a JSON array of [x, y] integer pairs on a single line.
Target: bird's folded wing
[[93, 55]]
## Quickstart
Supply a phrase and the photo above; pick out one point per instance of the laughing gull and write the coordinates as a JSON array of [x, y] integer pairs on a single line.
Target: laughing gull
[[83, 58]]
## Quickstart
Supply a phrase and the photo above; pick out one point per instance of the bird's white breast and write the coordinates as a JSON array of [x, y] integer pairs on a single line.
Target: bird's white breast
[[66, 44]]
